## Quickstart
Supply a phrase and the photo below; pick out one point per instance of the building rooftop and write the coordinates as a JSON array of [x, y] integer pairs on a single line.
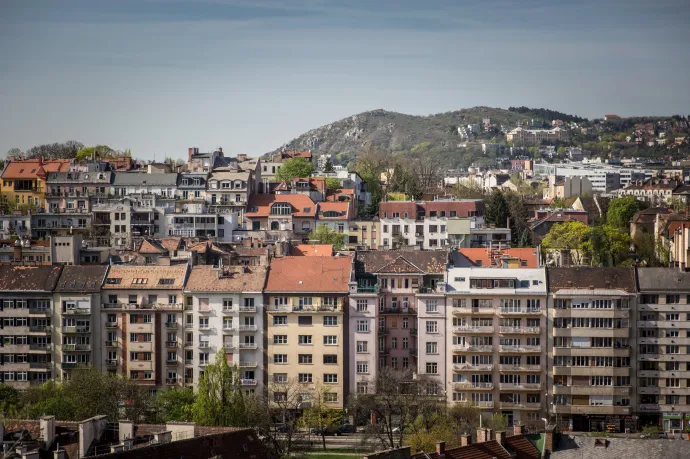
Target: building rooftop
[[142, 179], [29, 278], [663, 279], [153, 247], [309, 274], [421, 261], [145, 277], [497, 258], [104, 178], [312, 250], [260, 204], [334, 210], [81, 279], [228, 175], [204, 278], [592, 278], [33, 168], [581, 447]]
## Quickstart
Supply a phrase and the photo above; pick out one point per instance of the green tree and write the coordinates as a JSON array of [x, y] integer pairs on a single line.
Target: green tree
[[325, 235], [497, 423], [370, 164], [295, 168], [319, 416], [174, 405], [465, 418], [328, 167], [220, 400], [497, 211], [567, 236], [95, 152], [9, 401], [519, 229], [333, 183], [606, 245], [16, 152], [621, 211]]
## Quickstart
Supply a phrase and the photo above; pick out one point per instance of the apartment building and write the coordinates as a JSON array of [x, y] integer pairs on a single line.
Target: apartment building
[[397, 312], [529, 137], [224, 309], [230, 189], [591, 340], [287, 212], [142, 319], [423, 224], [24, 181], [306, 304], [663, 336], [77, 317], [26, 309], [496, 357]]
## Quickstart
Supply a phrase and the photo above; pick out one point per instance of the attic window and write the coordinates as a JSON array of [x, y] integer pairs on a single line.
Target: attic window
[[33, 170], [306, 210], [166, 281], [523, 263], [113, 280], [140, 280], [21, 171]]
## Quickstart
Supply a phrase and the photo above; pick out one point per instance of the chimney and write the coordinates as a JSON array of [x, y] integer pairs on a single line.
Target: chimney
[[548, 439], [220, 150], [481, 435], [47, 426], [17, 251], [465, 440], [190, 152], [518, 429], [489, 434], [441, 448], [500, 437]]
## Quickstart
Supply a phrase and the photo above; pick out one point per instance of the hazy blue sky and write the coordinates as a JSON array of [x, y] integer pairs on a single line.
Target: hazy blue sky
[[161, 76]]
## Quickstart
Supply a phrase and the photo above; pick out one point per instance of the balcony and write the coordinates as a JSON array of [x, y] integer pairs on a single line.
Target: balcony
[[111, 325], [248, 346], [39, 311], [595, 352], [521, 386], [590, 390], [484, 310], [76, 347], [36, 346], [484, 404], [247, 308], [206, 328], [77, 312], [39, 365], [472, 385], [588, 332], [189, 361], [473, 329], [519, 330], [111, 363], [249, 382], [591, 371], [188, 326], [38, 329], [229, 348], [513, 368], [475, 348], [591, 409], [413, 331], [368, 289], [111, 344], [248, 364], [228, 310], [171, 325], [76, 329], [248, 328], [204, 345], [171, 362], [229, 329], [383, 331], [69, 365], [519, 349], [469, 367], [397, 310], [171, 344], [649, 407], [516, 311], [172, 381]]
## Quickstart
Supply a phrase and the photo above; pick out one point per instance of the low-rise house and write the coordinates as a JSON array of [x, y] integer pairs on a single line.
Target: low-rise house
[[24, 181], [292, 212]]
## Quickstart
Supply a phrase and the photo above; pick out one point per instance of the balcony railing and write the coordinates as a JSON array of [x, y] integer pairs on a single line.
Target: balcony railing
[[76, 329], [111, 325], [249, 382], [513, 348], [248, 346], [473, 329], [38, 346], [520, 367], [248, 364], [38, 328], [247, 308], [172, 381], [171, 344], [519, 330], [77, 312], [368, 288], [248, 328], [473, 385], [76, 347], [508, 311], [171, 325], [474, 348], [471, 367], [228, 310], [171, 362], [111, 344]]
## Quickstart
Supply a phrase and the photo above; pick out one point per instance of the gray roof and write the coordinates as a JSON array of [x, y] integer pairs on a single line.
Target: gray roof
[[581, 447], [588, 277], [190, 180], [663, 279], [86, 279], [141, 179], [79, 177]]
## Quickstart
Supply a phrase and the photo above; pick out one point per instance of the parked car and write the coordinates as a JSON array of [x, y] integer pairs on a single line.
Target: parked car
[[326, 431], [346, 428]]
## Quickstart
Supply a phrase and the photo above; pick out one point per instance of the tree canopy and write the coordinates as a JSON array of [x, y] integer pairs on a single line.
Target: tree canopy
[[333, 183], [220, 399], [295, 168], [497, 211], [95, 152], [621, 211], [325, 235]]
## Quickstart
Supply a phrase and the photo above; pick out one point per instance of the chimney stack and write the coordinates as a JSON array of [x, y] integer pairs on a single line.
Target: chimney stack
[[465, 439], [501, 437], [441, 448], [518, 429], [548, 439], [190, 152], [481, 435], [489, 434]]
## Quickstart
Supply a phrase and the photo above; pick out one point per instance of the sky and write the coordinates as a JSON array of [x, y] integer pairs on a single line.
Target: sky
[[159, 76]]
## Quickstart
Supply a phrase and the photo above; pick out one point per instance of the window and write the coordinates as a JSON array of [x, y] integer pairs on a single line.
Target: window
[[362, 347], [330, 378], [432, 368], [431, 326], [432, 348], [280, 320], [362, 326], [432, 306], [330, 321], [305, 359], [304, 320], [330, 340], [304, 377], [362, 305], [330, 359], [330, 397], [304, 339], [280, 377], [363, 368], [280, 339], [280, 358]]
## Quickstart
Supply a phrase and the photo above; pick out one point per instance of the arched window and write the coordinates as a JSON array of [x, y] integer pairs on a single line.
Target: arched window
[[281, 208]]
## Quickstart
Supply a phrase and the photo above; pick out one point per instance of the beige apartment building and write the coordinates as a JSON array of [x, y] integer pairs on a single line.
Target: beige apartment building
[[591, 343], [496, 351], [663, 336], [306, 302], [141, 315]]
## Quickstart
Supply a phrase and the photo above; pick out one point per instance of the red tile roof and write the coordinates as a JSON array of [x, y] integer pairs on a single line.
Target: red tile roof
[[309, 274], [461, 208], [260, 204], [342, 208], [335, 195], [486, 257], [485, 450], [386, 209], [312, 250], [523, 448], [28, 168]]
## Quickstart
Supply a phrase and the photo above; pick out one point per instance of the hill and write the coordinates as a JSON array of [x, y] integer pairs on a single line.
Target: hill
[[398, 132]]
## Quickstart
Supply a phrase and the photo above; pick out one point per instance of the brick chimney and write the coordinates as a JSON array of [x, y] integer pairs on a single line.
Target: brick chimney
[[441, 448], [489, 434], [18, 251], [465, 440], [548, 439], [518, 429], [481, 435], [500, 437], [190, 152]]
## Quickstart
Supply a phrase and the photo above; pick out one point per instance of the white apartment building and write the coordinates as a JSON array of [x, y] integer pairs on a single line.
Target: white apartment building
[[496, 322], [604, 177]]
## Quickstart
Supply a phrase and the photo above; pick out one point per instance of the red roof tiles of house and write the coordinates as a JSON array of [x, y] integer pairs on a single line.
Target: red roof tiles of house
[[334, 211], [486, 257], [260, 204], [309, 274], [485, 450], [312, 250], [30, 168]]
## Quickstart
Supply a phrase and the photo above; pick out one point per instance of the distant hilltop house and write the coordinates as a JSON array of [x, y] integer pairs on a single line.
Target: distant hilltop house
[[531, 137], [611, 117]]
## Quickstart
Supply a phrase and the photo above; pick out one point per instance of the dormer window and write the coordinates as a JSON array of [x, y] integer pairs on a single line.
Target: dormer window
[[306, 210], [214, 185], [185, 182], [140, 280], [281, 208], [113, 280], [225, 185], [331, 214], [197, 182]]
